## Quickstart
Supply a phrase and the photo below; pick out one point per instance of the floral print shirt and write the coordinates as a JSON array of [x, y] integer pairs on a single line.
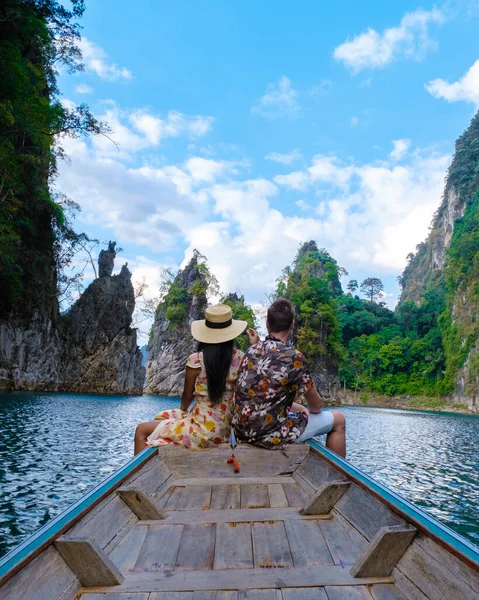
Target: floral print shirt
[[270, 376]]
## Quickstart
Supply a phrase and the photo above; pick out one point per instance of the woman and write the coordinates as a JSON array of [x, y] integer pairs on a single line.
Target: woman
[[210, 378]]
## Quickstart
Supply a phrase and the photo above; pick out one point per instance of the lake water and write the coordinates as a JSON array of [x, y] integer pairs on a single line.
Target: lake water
[[54, 447]]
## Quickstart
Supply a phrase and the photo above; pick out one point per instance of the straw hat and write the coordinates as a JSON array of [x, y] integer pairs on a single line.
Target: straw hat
[[217, 326]]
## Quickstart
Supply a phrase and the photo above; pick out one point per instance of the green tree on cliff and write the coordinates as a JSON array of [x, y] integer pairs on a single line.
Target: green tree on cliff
[[312, 285], [371, 287], [36, 38]]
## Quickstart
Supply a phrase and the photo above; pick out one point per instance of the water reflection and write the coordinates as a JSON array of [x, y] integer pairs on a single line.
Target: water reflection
[[54, 447]]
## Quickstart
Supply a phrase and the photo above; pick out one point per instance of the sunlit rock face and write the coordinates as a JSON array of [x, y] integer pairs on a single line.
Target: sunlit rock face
[[100, 352], [92, 348], [171, 342], [447, 263]]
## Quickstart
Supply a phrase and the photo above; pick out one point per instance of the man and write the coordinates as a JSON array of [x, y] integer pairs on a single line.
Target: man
[[271, 374]]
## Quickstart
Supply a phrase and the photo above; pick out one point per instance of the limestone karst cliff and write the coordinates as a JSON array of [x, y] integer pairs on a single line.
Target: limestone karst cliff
[[92, 348], [312, 285], [448, 264], [171, 342]]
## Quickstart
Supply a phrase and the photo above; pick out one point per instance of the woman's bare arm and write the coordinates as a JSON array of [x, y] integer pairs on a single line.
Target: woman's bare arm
[[188, 394]]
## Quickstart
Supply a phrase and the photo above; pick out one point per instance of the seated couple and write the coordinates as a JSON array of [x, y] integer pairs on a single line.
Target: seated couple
[[254, 392]]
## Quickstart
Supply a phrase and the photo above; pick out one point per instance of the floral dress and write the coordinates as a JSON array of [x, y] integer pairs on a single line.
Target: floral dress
[[205, 424]]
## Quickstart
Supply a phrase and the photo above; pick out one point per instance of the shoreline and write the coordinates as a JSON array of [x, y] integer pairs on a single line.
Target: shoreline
[[419, 403]]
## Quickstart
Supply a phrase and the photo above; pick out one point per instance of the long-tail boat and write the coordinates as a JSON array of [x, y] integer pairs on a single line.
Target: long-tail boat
[[293, 524]]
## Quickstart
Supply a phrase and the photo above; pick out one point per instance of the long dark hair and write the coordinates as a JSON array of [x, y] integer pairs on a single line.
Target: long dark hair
[[217, 359]]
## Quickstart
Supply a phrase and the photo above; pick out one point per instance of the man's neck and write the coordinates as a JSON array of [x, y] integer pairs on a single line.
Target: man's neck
[[283, 336]]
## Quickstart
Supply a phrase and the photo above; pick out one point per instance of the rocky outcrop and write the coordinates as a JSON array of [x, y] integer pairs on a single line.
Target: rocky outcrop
[[171, 341], [90, 349], [100, 351], [447, 263], [426, 266]]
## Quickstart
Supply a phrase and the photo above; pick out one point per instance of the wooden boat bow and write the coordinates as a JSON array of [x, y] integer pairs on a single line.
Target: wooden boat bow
[[291, 525]]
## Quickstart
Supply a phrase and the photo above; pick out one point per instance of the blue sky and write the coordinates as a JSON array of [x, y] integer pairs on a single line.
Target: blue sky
[[247, 127]]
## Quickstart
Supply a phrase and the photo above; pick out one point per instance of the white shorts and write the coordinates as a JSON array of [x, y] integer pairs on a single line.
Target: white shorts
[[318, 424]]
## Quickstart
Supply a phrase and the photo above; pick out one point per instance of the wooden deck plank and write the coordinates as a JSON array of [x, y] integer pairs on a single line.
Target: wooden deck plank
[[357, 592], [307, 544], [233, 548], [317, 471], [150, 480], [366, 512], [161, 489], [196, 548], [219, 494], [240, 579], [204, 595], [456, 568], [46, 577], [304, 593], [406, 587], [385, 592], [234, 516], [270, 545], [433, 578], [88, 561], [226, 595], [233, 500], [117, 596], [303, 484], [171, 596], [163, 496], [259, 595], [344, 542], [126, 553], [195, 497], [325, 498], [160, 548], [254, 496], [106, 524], [295, 494], [384, 551], [141, 504], [254, 462], [277, 497], [232, 480], [174, 499]]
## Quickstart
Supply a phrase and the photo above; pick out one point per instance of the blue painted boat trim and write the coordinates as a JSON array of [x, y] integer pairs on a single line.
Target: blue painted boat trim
[[445, 536], [24, 552]]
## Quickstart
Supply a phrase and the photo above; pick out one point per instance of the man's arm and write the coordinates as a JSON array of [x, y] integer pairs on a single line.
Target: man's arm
[[314, 400], [253, 337]]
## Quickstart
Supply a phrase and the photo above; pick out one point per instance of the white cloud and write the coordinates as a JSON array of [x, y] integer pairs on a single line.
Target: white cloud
[[285, 159], [321, 89], [466, 88], [373, 50], [400, 149], [96, 60], [138, 130], [368, 215], [280, 100], [83, 89], [354, 121]]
